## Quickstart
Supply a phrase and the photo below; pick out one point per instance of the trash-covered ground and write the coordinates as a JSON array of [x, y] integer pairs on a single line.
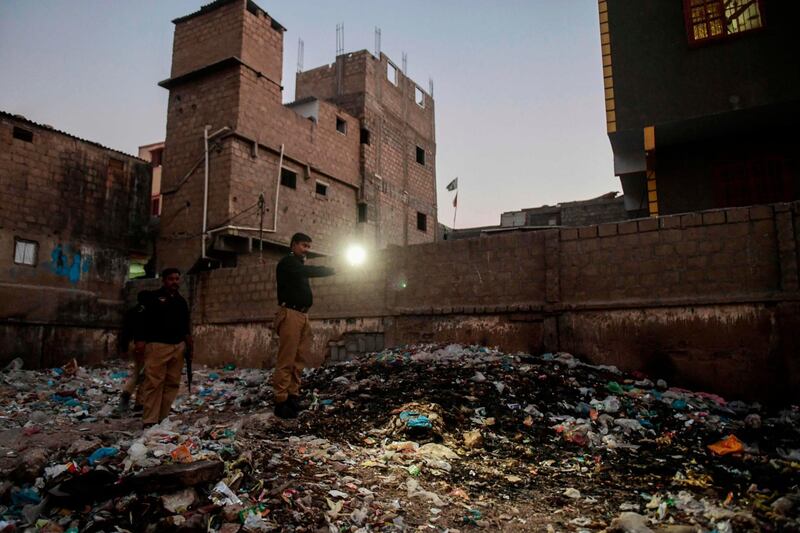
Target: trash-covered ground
[[440, 438]]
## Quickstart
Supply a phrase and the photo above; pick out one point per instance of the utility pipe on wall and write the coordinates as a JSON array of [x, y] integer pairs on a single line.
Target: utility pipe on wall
[[206, 138], [242, 228]]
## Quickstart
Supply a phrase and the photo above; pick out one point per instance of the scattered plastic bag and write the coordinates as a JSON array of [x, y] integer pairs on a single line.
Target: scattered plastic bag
[[728, 445]]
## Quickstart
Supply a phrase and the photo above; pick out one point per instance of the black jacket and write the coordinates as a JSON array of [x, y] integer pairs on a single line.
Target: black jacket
[[162, 318], [292, 277]]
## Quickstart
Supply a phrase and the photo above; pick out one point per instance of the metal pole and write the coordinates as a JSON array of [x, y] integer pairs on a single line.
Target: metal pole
[[261, 226], [277, 191], [455, 211], [205, 192]]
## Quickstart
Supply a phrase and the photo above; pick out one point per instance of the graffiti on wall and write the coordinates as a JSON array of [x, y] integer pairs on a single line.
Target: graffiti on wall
[[69, 262]]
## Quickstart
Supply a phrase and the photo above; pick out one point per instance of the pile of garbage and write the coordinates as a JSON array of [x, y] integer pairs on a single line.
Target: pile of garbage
[[440, 437]]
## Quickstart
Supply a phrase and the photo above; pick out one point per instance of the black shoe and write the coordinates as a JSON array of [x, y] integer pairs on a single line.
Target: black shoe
[[296, 405], [285, 410]]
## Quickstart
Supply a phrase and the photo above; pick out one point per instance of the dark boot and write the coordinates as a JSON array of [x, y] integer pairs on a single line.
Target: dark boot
[[296, 404], [124, 406], [285, 410]]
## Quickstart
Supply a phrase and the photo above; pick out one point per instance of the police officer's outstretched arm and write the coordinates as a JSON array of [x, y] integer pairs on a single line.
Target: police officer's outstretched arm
[[308, 271]]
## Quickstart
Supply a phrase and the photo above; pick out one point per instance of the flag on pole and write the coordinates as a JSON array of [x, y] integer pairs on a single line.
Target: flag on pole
[[453, 185], [455, 201]]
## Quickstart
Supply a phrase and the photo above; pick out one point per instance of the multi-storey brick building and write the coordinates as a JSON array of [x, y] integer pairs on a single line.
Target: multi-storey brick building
[[352, 158], [72, 213], [702, 99]]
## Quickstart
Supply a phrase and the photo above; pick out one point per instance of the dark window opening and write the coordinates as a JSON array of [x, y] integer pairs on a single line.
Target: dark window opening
[[711, 20], [751, 181], [322, 189], [364, 136], [25, 252], [362, 212], [341, 125], [156, 156], [155, 206], [422, 222], [288, 178], [23, 134], [420, 155]]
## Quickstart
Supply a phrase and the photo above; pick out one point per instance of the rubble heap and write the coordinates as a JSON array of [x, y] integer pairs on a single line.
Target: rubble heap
[[430, 437]]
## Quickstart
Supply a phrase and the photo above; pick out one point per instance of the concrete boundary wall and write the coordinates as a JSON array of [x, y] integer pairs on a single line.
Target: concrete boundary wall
[[707, 299]]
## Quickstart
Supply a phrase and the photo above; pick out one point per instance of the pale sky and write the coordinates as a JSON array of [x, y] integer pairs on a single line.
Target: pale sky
[[518, 83]]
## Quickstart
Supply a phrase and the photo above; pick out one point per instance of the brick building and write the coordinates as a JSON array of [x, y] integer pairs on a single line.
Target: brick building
[[609, 207], [606, 208], [701, 101], [352, 158], [72, 213]]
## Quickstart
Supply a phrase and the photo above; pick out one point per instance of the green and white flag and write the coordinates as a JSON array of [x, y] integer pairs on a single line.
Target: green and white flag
[[453, 185]]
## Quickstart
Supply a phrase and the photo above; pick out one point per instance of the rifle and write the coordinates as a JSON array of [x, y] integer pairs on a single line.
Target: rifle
[[188, 357]]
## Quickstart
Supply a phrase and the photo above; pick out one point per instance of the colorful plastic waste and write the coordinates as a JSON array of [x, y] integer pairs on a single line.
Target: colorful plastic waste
[[730, 444]]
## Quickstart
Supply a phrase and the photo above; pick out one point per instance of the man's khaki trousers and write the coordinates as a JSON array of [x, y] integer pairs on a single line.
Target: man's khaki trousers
[[294, 332], [163, 366], [135, 382]]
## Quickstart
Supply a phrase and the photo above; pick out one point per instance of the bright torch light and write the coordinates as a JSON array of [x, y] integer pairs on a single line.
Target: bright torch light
[[356, 255]]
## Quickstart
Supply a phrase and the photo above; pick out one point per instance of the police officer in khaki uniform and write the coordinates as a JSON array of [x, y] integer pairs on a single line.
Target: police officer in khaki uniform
[[162, 336], [292, 325]]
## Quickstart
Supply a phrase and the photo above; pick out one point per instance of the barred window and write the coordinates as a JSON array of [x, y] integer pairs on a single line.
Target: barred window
[[710, 20]]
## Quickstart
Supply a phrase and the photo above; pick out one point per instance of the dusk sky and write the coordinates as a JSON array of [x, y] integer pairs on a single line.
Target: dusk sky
[[518, 84]]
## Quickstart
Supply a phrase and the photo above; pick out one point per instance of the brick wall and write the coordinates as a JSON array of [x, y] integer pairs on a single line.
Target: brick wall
[[688, 297], [205, 39], [86, 209]]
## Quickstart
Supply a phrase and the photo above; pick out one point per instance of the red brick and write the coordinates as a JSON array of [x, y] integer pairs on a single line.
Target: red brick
[[714, 217], [737, 214], [760, 212], [648, 224], [587, 232], [568, 234], [627, 227], [691, 219], [607, 230], [668, 222]]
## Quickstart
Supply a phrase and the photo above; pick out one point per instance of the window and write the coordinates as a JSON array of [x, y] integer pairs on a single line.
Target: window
[[364, 136], [391, 74], [341, 126], [420, 155], [322, 188], [156, 156], [422, 221], [711, 20], [288, 178], [25, 252], [155, 206], [754, 179], [419, 97], [23, 134], [362, 212]]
